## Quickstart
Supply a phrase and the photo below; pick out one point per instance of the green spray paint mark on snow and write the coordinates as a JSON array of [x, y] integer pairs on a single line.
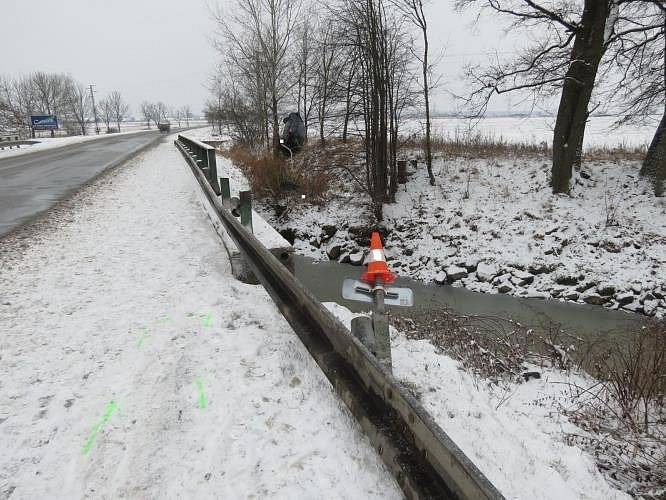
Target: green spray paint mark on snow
[[108, 412], [207, 320], [144, 333], [202, 395]]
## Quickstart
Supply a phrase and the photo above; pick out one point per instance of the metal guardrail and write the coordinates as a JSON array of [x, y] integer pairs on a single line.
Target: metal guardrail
[[424, 460], [14, 140]]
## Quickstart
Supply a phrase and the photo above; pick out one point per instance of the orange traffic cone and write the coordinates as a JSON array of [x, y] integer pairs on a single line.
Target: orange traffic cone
[[378, 271]]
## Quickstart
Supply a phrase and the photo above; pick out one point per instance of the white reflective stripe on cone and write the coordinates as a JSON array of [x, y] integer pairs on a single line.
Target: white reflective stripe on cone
[[376, 255]]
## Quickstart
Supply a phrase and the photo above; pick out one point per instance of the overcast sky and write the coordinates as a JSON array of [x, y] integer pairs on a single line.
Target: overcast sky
[[160, 49]]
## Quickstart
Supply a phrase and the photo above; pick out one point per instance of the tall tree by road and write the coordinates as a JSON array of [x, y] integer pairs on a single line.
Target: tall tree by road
[[262, 30], [119, 108], [413, 9], [564, 57]]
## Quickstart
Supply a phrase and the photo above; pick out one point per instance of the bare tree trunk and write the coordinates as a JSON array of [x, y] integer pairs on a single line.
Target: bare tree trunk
[[426, 95], [276, 125], [348, 97], [654, 165], [587, 51]]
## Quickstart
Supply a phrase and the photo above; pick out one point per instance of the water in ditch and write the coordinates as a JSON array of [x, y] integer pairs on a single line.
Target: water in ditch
[[324, 280]]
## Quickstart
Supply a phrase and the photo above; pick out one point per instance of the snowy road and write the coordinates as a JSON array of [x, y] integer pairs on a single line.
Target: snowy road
[[132, 365], [34, 181]]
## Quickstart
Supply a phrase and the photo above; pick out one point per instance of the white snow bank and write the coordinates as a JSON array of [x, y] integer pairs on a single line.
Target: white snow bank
[[133, 365], [515, 436], [599, 131], [45, 143]]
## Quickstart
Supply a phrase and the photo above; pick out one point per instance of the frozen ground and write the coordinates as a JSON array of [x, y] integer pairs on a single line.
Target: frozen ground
[[58, 142], [537, 129], [514, 434], [132, 364], [493, 225]]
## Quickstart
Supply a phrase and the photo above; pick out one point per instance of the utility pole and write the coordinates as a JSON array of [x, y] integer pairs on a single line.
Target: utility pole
[[92, 96]]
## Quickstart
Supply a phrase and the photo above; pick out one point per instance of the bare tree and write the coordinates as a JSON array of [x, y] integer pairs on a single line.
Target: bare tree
[[78, 104], [638, 55], [187, 114], [106, 111], [119, 108], [147, 112], [259, 32], [413, 10], [564, 59], [17, 103]]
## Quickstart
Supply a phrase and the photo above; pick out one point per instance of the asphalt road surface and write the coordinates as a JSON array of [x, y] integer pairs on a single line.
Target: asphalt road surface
[[33, 182]]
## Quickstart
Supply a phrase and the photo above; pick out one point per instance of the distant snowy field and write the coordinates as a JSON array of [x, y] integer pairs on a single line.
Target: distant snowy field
[[598, 133]]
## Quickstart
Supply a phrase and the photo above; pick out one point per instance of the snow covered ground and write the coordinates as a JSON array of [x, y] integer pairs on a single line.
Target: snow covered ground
[[493, 225], [514, 434], [132, 364], [59, 142], [599, 132]]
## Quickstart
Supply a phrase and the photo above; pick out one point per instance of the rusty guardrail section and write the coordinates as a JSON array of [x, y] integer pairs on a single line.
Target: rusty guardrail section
[[424, 460]]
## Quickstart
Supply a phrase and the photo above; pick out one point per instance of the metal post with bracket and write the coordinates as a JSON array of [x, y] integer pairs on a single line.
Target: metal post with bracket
[[373, 332]]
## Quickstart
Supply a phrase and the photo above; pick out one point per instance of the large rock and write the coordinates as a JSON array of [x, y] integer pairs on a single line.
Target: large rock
[[356, 258], [566, 279], [522, 278], [633, 307], [594, 298], [455, 273], [650, 307], [605, 289], [441, 278], [486, 272], [624, 298], [333, 251], [328, 232]]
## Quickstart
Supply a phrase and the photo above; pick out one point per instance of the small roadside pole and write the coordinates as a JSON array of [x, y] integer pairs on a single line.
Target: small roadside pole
[[245, 209], [225, 192], [374, 332]]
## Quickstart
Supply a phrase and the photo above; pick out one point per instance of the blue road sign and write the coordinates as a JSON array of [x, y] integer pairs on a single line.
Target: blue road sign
[[44, 122]]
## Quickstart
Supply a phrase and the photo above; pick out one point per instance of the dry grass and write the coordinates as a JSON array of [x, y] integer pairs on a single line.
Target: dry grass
[[278, 178], [623, 410], [484, 146]]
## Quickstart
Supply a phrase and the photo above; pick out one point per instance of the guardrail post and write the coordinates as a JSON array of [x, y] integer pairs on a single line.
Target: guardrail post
[[246, 209], [381, 328], [212, 169], [361, 328], [225, 191]]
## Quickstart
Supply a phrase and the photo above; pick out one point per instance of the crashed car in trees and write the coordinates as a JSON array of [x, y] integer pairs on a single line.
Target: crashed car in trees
[[293, 133]]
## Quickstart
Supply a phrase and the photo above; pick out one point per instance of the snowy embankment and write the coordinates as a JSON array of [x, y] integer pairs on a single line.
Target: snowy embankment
[[493, 225], [133, 365], [515, 434], [46, 143]]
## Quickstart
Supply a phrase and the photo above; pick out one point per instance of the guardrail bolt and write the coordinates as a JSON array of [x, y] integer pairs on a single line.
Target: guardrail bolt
[[246, 209]]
